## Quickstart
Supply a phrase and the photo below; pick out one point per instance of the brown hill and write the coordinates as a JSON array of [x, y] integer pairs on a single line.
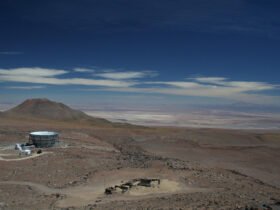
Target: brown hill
[[49, 110]]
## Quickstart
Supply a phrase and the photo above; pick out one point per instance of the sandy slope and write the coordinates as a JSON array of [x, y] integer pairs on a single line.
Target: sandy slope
[[205, 168]]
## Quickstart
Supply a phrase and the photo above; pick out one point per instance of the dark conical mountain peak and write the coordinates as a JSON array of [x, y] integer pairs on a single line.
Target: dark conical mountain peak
[[42, 108]]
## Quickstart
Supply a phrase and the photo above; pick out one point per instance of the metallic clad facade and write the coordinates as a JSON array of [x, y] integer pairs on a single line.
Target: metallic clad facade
[[43, 139]]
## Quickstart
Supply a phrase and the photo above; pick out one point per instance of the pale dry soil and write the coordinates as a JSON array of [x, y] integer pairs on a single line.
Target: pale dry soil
[[15, 156], [198, 168]]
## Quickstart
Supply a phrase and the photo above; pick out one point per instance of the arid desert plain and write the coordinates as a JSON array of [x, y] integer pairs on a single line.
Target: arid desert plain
[[98, 164]]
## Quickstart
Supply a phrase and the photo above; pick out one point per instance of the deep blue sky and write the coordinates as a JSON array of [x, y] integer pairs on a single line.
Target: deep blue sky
[[180, 46]]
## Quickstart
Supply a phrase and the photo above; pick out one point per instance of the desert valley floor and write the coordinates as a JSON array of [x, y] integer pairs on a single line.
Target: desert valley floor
[[197, 168]]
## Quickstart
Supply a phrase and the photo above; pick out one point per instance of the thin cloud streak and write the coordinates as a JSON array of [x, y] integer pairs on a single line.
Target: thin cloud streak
[[212, 87], [208, 79], [70, 81], [237, 97], [83, 70], [207, 87], [32, 72], [126, 75], [221, 81], [26, 87], [49, 76]]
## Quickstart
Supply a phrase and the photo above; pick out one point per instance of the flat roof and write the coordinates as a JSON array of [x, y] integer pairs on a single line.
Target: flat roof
[[43, 133]]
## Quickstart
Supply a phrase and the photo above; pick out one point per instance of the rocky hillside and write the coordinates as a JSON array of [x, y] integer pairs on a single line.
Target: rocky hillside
[[50, 110]]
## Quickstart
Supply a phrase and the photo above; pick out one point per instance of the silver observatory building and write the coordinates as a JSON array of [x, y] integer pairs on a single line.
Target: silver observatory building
[[43, 139]]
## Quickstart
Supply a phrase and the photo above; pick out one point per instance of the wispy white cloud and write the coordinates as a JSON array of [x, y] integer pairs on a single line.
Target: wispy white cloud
[[213, 87], [225, 94], [209, 79], [126, 75], [51, 76], [216, 87], [64, 81], [32, 72], [239, 85], [78, 69], [178, 84], [26, 87]]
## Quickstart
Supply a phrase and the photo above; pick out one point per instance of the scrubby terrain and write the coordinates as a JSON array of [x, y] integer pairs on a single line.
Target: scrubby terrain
[[197, 168]]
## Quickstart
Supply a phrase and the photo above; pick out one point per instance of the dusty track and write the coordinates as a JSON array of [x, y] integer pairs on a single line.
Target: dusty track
[[88, 194], [22, 158], [99, 157]]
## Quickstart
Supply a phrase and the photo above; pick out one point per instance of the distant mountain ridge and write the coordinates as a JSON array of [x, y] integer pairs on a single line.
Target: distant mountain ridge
[[43, 108]]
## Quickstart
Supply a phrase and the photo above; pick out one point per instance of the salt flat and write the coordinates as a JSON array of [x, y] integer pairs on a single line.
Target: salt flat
[[203, 119]]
